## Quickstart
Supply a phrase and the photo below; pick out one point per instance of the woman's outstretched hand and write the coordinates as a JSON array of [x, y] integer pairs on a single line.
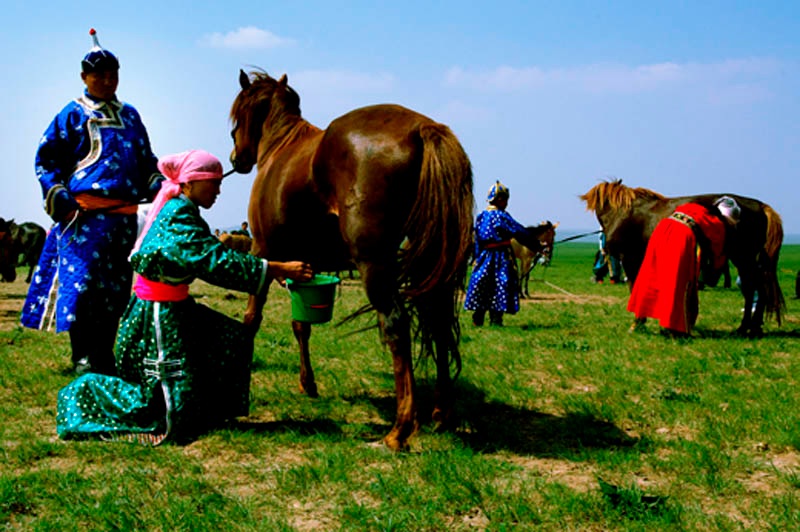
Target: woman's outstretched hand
[[294, 270]]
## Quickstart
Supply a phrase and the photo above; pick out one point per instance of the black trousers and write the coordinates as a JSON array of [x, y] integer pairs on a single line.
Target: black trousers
[[495, 317], [93, 340]]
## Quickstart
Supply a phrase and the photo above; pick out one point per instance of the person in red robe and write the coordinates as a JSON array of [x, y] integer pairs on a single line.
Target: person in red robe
[[667, 284]]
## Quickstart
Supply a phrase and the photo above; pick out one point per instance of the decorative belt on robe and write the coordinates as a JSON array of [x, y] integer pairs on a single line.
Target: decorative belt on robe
[[703, 246], [497, 245], [154, 291], [90, 202], [685, 219]]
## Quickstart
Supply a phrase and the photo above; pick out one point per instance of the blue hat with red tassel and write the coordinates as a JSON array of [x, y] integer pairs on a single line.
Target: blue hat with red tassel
[[98, 59]]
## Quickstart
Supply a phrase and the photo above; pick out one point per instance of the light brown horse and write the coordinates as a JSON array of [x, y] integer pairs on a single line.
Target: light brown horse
[[238, 242], [628, 217], [539, 251], [354, 191]]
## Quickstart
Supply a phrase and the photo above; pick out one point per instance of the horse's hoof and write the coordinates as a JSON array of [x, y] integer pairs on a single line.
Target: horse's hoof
[[393, 444], [443, 421], [310, 390]]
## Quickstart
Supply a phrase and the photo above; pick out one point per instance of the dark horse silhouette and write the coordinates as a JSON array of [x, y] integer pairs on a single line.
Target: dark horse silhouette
[[383, 186], [629, 215], [8, 258], [539, 250], [20, 244]]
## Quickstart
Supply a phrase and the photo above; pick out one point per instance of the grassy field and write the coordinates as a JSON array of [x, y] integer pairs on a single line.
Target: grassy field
[[566, 422]]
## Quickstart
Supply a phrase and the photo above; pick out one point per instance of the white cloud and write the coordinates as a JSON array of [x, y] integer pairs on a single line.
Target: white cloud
[[249, 37], [459, 111], [615, 78], [341, 80]]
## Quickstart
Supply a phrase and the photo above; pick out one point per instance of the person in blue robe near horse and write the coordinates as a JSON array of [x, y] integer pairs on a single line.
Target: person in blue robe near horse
[[493, 282], [95, 165]]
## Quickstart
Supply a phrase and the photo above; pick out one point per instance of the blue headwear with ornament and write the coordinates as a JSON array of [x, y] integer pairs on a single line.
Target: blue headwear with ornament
[[98, 59], [498, 190]]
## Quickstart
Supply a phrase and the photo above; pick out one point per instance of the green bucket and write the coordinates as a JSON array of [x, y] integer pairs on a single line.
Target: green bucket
[[312, 301]]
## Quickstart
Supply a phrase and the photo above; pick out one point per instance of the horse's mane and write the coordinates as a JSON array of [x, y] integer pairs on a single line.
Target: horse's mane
[[616, 195], [263, 89]]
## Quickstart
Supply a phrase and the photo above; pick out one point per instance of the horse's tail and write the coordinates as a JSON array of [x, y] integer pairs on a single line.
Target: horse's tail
[[775, 303], [439, 240], [439, 226]]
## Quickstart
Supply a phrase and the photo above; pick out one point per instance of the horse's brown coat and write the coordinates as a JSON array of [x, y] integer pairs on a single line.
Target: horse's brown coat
[[354, 191]]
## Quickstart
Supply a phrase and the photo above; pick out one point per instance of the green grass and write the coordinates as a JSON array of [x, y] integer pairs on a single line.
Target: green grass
[[565, 422]]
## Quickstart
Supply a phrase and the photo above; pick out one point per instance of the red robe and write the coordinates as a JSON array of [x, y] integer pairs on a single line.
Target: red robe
[[666, 287]]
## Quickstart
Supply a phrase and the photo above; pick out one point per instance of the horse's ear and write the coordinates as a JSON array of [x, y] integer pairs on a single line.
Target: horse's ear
[[244, 80], [556, 225], [283, 81]]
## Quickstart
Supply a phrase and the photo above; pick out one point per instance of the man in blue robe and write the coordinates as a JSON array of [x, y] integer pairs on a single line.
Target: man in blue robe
[[95, 165]]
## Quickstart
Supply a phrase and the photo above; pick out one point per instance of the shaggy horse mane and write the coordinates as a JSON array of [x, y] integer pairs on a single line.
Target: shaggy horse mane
[[616, 195], [253, 105]]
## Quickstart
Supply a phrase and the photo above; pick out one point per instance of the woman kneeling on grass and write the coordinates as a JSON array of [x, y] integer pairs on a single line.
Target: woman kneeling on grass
[[183, 368]]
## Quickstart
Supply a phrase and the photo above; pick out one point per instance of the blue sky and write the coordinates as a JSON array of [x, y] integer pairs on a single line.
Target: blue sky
[[548, 97]]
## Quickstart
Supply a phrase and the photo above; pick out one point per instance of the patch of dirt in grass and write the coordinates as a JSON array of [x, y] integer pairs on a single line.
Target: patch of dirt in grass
[[767, 479], [306, 516], [12, 297], [571, 298], [242, 474], [676, 432], [786, 461], [578, 477]]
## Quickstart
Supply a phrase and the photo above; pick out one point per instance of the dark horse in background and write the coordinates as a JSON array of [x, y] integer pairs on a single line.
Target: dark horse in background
[[628, 217], [19, 244], [375, 177], [537, 250]]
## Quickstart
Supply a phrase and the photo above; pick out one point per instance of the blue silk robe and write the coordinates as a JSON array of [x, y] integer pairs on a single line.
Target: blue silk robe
[[99, 148], [493, 283]]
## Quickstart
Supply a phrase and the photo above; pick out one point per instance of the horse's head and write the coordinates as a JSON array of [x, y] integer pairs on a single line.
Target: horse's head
[[547, 239], [540, 239], [262, 103]]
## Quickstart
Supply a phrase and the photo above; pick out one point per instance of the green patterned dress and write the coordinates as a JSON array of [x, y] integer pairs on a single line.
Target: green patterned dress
[[182, 367]]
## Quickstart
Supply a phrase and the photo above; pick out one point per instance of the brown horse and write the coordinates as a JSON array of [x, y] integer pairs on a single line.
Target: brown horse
[[236, 241], [629, 215], [375, 177], [537, 251]]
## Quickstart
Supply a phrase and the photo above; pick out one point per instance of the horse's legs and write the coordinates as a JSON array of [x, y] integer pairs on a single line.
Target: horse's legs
[[444, 394], [528, 273], [439, 313], [751, 323], [395, 327], [380, 285], [302, 333]]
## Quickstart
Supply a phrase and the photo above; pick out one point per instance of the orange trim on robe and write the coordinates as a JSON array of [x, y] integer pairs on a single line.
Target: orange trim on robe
[[666, 286]]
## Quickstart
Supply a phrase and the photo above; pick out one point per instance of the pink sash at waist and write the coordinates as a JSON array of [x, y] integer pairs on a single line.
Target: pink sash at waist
[[154, 291]]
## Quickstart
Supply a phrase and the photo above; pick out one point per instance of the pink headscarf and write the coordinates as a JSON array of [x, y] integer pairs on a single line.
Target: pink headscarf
[[192, 165]]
